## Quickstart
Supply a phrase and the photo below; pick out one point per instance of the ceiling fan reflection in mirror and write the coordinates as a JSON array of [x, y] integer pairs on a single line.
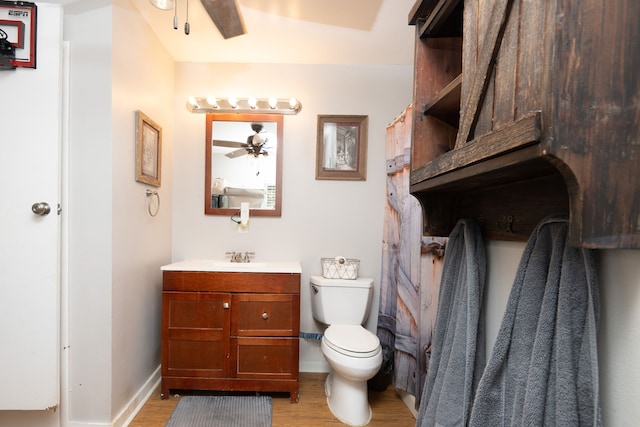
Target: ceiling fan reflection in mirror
[[256, 145], [225, 14]]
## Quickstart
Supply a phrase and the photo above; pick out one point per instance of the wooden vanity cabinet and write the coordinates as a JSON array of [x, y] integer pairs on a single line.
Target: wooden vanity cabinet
[[527, 109], [230, 331]]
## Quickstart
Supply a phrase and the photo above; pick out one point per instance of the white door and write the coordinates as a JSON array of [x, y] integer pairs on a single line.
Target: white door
[[30, 136]]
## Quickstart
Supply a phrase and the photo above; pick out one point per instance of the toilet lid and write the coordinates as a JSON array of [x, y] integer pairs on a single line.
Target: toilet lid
[[352, 340]]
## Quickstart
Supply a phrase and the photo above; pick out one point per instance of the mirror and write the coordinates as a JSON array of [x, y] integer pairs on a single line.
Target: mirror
[[243, 164]]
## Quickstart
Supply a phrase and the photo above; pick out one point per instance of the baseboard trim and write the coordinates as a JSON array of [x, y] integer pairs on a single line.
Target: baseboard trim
[[409, 400], [86, 424], [136, 403], [315, 367]]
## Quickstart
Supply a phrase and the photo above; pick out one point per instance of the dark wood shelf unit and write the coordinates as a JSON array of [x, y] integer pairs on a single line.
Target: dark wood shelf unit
[[524, 110]]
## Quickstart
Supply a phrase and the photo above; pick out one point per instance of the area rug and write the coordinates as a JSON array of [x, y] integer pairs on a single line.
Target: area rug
[[222, 411]]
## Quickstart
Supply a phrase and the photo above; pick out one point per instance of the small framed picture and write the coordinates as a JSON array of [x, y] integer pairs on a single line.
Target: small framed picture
[[342, 148], [148, 150]]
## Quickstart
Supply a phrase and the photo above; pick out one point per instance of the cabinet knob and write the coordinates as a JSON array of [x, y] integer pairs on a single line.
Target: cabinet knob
[[225, 305], [265, 316]]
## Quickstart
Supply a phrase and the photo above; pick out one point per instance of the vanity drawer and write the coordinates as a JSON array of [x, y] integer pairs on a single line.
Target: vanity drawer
[[215, 281], [272, 358], [259, 315]]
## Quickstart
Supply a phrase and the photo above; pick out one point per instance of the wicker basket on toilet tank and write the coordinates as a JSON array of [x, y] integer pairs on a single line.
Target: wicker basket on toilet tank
[[340, 268]]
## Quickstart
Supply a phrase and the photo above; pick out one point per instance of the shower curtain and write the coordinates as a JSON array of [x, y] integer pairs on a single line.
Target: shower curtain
[[410, 270]]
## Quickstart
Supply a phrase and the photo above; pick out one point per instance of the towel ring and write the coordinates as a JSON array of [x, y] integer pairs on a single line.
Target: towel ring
[[149, 194]]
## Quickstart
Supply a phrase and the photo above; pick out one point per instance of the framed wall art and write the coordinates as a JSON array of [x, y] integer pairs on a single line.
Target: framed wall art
[[18, 27], [148, 150], [341, 151]]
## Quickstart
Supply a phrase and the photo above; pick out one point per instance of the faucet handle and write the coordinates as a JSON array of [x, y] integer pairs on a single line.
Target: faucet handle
[[248, 256]]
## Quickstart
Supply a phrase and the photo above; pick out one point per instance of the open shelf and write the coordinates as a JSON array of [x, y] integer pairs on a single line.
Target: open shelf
[[438, 78], [528, 189], [446, 105], [494, 145], [435, 18]]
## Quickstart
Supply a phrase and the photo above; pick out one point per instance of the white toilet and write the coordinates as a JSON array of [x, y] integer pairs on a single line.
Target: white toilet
[[353, 353]]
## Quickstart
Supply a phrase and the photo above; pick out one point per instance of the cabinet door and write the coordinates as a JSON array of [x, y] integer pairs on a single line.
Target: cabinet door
[[264, 358], [271, 315], [195, 339]]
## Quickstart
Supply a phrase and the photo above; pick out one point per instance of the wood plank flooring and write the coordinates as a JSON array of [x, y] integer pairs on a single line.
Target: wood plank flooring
[[388, 408]]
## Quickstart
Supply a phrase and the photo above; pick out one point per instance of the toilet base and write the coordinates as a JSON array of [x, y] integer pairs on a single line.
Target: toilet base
[[348, 400]]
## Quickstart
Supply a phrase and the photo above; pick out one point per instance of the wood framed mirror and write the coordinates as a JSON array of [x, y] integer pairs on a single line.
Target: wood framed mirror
[[243, 163]]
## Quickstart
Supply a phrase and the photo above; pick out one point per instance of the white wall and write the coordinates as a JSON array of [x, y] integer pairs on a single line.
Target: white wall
[[319, 218], [115, 247], [89, 214], [142, 79], [619, 329], [619, 336]]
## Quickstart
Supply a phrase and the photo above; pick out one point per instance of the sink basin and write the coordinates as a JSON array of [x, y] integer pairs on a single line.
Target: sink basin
[[223, 265], [240, 266]]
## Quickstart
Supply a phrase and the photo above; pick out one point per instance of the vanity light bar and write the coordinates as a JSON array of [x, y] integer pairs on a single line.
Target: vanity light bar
[[232, 104]]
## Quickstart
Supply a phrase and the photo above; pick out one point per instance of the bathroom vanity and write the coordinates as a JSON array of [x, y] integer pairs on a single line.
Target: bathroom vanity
[[230, 326]]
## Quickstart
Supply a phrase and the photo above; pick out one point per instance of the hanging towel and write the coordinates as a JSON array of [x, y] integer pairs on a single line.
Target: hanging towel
[[458, 344], [543, 370]]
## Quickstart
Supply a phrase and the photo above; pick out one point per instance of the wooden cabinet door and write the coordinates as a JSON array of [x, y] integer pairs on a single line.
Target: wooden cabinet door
[[195, 340]]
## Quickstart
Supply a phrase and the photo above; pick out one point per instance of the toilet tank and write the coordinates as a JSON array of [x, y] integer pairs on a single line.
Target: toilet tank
[[341, 301]]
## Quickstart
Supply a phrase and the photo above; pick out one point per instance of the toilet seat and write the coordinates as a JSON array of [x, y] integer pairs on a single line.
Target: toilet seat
[[352, 340]]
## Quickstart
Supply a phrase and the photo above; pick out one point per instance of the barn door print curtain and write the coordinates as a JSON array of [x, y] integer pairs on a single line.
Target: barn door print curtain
[[410, 279]]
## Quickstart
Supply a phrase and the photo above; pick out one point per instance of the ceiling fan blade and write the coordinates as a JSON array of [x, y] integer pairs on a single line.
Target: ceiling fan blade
[[236, 153], [231, 144], [226, 16]]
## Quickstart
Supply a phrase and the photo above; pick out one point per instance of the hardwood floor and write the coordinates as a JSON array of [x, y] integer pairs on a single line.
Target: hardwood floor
[[388, 408]]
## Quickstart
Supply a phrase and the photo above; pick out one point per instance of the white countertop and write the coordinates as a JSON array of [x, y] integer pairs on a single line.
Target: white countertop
[[227, 266]]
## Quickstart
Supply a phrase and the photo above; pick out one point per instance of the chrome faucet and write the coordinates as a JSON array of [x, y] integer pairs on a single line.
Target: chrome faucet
[[240, 257]]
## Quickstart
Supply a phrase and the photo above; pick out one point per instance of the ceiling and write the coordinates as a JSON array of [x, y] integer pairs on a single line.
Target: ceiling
[[285, 31]]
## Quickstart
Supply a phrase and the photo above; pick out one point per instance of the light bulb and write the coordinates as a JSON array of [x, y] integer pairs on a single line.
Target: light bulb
[[233, 102], [163, 4], [211, 100], [193, 101], [252, 103], [293, 103]]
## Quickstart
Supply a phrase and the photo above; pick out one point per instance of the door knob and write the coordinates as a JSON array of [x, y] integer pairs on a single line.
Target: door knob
[[265, 316], [41, 208]]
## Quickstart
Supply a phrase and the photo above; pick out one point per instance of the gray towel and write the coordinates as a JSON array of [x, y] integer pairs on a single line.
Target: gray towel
[[458, 349], [543, 370]]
